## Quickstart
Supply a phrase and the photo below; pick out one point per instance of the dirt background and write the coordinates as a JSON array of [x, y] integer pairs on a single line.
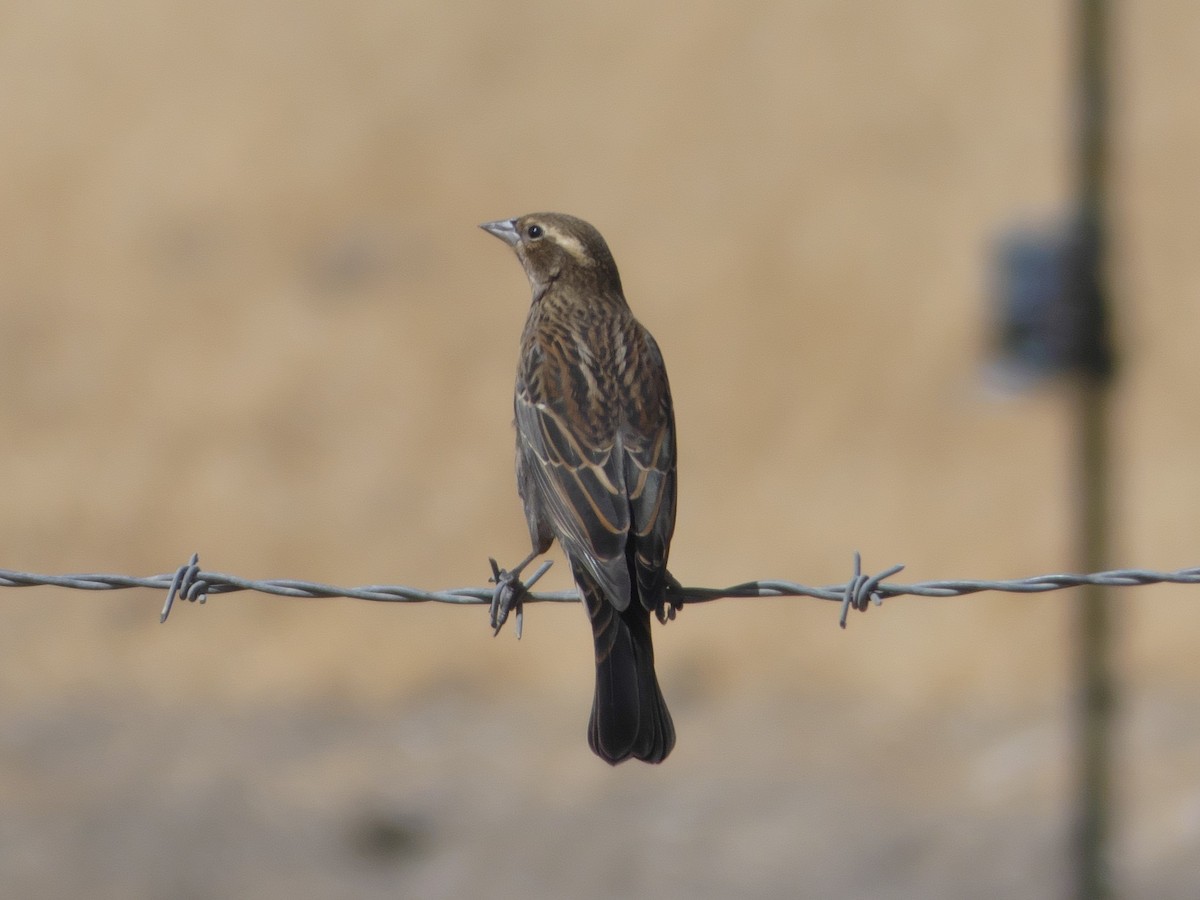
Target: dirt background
[[245, 311]]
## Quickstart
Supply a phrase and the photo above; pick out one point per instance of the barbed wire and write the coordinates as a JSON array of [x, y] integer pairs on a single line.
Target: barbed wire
[[191, 583]]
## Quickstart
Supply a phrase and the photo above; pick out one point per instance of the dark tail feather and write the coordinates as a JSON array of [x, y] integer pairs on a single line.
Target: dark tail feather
[[629, 716]]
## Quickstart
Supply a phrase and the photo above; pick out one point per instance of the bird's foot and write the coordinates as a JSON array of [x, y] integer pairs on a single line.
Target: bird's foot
[[672, 600]]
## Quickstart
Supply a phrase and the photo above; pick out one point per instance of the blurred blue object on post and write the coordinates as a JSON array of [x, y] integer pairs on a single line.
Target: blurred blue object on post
[[1046, 318]]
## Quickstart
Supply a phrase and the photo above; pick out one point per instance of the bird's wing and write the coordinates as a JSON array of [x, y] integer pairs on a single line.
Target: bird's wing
[[649, 459], [579, 482]]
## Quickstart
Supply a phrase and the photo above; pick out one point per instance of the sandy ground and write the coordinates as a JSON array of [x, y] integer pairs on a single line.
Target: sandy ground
[[244, 311]]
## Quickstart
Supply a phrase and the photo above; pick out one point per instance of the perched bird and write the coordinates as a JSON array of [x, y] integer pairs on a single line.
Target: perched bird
[[596, 465]]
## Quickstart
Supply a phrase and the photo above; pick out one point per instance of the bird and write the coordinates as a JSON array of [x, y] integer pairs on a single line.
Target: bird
[[596, 466]]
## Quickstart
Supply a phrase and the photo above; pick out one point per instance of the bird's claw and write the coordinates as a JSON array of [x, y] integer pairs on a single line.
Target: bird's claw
[[672, 600], [509, 595]]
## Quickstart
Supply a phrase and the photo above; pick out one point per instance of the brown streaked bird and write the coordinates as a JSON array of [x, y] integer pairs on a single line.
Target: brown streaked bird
[[596, 465]]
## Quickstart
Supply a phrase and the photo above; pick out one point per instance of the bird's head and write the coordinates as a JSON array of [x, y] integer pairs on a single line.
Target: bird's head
[[553, 246]]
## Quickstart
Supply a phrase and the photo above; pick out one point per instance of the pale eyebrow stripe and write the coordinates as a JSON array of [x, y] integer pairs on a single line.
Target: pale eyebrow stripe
[[569, 243]]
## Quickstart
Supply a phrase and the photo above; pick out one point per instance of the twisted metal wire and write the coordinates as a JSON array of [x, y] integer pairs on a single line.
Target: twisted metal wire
[[191, 583]]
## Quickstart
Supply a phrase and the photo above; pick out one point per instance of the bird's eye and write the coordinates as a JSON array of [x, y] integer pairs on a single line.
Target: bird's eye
[[534, 231]]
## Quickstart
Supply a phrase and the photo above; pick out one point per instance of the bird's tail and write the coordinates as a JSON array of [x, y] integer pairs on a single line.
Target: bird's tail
[[629, 715]]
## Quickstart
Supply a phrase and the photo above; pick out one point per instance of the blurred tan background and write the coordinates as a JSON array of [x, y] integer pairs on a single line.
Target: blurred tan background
[[245, 311]]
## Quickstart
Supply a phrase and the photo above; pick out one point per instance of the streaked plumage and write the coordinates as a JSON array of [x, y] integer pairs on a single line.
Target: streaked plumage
[[596, 464]]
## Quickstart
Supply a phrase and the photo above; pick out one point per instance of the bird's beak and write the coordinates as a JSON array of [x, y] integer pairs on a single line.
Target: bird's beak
[[505, 229]]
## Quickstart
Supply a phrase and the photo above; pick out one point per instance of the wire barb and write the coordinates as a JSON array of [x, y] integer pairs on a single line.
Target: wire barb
[[187, 584], [863, 589], [510, 593]]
